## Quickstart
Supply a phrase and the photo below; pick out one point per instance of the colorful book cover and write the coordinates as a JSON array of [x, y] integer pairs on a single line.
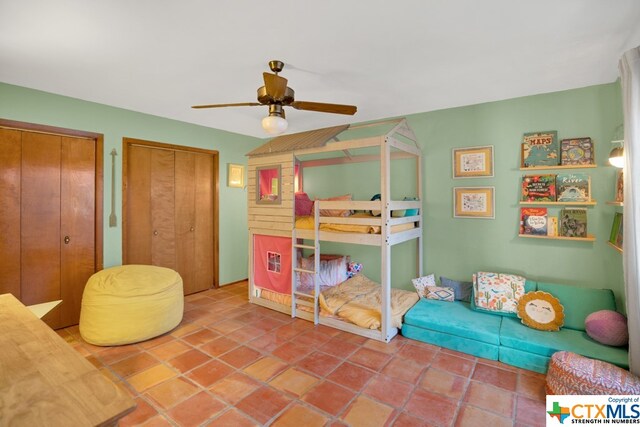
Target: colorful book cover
[[616, 237], [619, 186], [552, 226], [573, 222], [573, 187], [539, 188], [533, 221], [577, 151], [540, 149]]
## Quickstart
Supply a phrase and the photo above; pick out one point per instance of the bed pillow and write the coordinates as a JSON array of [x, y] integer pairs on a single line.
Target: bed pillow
[[462, 290], [333, 270], [497, 292], [440, 293], [337, 212], [421, 283], [304, 205]]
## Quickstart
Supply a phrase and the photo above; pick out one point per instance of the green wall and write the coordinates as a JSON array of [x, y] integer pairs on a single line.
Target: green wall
[[455, 247], [452, 247], [27, 105]]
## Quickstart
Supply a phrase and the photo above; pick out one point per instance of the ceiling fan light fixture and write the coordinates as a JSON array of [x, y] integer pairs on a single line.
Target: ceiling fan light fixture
[[275, 123]]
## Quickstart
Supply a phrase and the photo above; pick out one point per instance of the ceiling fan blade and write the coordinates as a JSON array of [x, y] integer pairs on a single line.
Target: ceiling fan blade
[[240, 104], [325, 108], [276, 86]]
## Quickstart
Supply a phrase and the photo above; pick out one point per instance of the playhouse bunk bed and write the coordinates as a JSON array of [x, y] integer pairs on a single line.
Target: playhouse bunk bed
[[278, 237]]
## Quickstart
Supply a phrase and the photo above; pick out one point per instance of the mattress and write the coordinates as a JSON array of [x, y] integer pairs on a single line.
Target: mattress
[[307, 223], [359, 300]]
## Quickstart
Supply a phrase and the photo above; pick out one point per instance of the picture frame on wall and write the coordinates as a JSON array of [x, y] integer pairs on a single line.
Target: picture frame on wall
[[235, 175], [473, 162], [474, 202]]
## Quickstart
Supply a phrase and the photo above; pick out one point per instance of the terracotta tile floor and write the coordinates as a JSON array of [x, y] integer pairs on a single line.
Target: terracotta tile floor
[[230, 363]]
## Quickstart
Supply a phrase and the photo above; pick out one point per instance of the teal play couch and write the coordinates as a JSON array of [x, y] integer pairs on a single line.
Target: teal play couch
[[458, 326]]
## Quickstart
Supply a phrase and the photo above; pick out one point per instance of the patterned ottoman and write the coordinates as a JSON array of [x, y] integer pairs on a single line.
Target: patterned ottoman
[[570, 373], [130, 303]]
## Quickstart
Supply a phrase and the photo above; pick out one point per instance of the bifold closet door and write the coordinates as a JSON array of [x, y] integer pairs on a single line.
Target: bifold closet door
[[47, 220], [40, 235], [10, 171], [194, 220], [77, 226], [150, 207], [169, 212]]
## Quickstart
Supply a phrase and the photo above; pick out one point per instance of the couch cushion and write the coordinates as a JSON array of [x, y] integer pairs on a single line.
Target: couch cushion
[[515, 335], [453, 342], [454, 318], [579, 302]]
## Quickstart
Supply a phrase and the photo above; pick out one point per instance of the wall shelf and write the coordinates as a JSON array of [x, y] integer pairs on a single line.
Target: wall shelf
[[591, 203], [557, 167], [589, 238], [615, 203]]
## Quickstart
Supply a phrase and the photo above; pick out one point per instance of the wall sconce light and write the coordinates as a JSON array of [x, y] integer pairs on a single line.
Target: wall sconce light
[[616, 157]]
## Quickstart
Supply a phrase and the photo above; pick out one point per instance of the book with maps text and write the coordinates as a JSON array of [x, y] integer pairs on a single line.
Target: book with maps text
[[540, 149]]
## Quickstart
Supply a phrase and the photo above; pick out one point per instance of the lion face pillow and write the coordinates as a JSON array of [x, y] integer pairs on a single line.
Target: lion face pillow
[[541, 310]]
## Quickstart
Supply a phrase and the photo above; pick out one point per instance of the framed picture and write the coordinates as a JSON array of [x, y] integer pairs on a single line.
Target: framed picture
[[474, 202], [473, 162], [235, 175]]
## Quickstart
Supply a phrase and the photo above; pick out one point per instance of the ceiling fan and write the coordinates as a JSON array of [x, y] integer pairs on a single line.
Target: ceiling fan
[[276, 94]]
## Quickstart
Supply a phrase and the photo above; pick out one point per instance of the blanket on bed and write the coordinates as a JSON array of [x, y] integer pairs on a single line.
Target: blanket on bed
[[307, 223], [359, 301]]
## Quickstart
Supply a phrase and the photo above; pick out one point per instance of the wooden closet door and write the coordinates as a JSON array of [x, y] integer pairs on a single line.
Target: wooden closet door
[[10, 155], [204, 216], [185, 188], [138, 232], [40, 231], [77, 207], [163, 241]]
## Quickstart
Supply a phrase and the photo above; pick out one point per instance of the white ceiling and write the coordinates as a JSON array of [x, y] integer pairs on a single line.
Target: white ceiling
[[389, 58]]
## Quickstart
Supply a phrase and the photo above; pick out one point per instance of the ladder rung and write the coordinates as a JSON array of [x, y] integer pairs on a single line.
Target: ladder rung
[[302, 294], [305, 303], [302, 270], [296, 245]]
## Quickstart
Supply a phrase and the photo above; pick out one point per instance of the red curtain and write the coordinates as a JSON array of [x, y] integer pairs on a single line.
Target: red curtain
[[272, 253]]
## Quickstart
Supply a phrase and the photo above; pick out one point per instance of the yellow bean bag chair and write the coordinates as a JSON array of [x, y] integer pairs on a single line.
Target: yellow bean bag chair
[[130, 303]]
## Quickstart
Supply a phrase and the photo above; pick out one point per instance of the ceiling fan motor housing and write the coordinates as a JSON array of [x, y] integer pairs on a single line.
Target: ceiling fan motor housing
[[265, 98]]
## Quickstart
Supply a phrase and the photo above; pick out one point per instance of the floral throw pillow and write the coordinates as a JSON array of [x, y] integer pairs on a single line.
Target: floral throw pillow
[[440, 293], [498, 292], [423, 282]]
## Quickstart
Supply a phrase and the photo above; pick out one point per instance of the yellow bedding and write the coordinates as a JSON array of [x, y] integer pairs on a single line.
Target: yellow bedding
[[306, 222], [359, 299]]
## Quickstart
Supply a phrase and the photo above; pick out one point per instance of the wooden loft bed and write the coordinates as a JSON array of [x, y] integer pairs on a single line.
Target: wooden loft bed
[[275, 216]]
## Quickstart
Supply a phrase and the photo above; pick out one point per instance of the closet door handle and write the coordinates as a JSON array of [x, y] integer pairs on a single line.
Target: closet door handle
[[192, 229], [155, 232], [67, 239]]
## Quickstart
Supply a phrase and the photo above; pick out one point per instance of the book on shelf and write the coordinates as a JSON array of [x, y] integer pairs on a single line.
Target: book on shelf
[[577, 151], [573, 187], [533, 221], [540, 149], [552, 226], [573, 222], [616, 237], [619, 186], [539, 188]]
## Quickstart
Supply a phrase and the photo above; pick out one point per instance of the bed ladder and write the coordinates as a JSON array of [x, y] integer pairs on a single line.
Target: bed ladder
[[295, 293]]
